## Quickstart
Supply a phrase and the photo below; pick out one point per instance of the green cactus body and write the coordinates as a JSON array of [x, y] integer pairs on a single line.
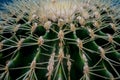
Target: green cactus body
[[60, 40]]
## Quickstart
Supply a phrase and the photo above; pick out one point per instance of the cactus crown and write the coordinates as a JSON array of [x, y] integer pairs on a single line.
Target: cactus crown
[[60, 40]]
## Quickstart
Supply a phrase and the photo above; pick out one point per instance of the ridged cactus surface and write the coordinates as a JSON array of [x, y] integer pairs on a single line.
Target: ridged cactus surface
[[60, 40]]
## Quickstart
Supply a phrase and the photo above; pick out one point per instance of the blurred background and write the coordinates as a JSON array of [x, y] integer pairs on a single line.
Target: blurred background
[[114, 2], [2, 2]]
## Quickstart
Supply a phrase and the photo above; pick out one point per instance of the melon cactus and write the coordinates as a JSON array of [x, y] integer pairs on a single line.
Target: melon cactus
[[60, 40]]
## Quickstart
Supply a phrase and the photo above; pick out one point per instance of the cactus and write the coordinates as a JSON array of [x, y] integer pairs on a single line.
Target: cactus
[[60, 40]]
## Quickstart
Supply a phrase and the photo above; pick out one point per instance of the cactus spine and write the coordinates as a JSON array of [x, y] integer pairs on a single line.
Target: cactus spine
[[60, 40]]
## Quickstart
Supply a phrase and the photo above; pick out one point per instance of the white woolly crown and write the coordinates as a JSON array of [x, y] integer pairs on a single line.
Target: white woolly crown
[[55, 9]]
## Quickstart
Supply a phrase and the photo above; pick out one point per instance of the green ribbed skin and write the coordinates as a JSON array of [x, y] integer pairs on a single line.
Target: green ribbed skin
[[60, 40]]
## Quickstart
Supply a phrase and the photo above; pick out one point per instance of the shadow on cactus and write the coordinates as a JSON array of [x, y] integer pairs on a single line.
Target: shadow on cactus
[[60, 40]]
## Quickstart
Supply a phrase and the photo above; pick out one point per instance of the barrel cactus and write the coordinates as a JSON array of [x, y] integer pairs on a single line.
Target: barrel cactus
[[60, 40]]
